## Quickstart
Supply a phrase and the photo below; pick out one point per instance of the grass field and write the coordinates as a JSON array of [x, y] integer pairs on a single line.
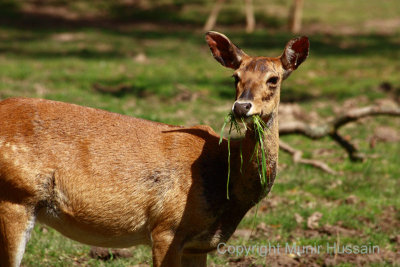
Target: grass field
[[161, 69]]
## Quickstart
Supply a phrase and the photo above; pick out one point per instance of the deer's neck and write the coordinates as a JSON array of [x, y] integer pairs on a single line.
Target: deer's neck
[[245, 188], [247, 185]]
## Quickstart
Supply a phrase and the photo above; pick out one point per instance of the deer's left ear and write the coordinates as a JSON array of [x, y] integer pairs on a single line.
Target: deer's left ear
[[296, 51]]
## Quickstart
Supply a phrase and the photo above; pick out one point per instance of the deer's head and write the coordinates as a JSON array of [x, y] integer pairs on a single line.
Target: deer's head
[[257, 79]]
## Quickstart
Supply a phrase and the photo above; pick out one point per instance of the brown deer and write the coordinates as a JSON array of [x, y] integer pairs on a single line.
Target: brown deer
[[110, 180]]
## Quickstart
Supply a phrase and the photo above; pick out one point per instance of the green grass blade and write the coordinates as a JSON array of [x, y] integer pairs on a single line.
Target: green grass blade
[[244, 124], [226, 120], [259, 128]]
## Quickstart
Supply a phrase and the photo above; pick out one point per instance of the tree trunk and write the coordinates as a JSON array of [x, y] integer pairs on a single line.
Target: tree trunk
[[295, 15], [212, 19], [250, 20]]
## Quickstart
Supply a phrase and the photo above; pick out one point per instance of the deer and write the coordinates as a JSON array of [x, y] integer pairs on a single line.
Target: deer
[[112, 180]]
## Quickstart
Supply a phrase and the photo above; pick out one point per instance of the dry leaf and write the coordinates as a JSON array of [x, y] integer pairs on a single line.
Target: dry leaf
[[313, 220], [298, 218]]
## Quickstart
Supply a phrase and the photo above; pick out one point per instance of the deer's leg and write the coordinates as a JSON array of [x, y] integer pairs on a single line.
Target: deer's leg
[[166, 251], [16, 223], [194, 260]]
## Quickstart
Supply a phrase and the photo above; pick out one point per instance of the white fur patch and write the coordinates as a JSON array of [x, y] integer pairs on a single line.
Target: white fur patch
[[290, 53], [23, 241], [251, 111]]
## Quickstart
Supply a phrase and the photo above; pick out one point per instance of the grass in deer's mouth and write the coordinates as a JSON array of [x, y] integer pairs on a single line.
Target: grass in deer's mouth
[[259, 128]]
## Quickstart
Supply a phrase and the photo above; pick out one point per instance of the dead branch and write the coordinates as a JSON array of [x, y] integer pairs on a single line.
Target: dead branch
[[297, 158], [331, 128]]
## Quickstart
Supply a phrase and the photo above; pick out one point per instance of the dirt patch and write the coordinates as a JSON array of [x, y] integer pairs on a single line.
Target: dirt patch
[[351, 200], [243, 233], [108, 254], [68, 37], [243, 262], [184, 94], [338, 230], [239, 262], [289, 260], [351, 103], [115, 90], [281, 260], [383, 26], [386, 102], [264, 230], [141, 58], [314, 230], [390, 90], [322, 259], [293, 112], [389, 220], [386, 134], [386, 256], [271, 202]]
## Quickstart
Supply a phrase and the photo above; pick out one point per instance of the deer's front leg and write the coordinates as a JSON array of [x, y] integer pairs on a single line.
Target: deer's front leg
[[166, 249], [16, 223]]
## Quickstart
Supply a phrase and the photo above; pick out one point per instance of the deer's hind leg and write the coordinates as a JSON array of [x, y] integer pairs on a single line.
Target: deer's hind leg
[[16, 223]]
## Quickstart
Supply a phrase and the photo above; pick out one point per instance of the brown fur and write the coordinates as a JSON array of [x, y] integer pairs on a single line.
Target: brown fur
[[110, 180]]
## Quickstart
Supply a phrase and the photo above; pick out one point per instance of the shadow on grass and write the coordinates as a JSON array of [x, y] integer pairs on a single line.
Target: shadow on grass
[[50, 14], [167, 21], [120, 88], [325, 45], [166, 24], [84, 53], [321, 45]]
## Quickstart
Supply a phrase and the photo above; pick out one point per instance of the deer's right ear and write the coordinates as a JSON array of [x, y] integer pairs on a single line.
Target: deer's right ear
[[224, 51], [296, 51]]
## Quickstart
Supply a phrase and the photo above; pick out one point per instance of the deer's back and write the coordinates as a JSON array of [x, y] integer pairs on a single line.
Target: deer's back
[[92, 168]]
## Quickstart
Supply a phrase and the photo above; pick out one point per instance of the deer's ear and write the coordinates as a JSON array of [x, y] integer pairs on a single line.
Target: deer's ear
[[224, 51], [296, 51]]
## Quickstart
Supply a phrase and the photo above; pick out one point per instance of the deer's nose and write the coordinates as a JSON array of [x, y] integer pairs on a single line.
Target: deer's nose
[[241, 109]]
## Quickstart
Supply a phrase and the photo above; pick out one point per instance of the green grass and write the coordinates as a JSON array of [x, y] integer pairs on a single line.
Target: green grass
[[64, 62]]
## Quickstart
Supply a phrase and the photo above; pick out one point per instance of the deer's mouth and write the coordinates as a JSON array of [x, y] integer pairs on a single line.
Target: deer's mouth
[[247, 119], [267, 118], [243, 111]]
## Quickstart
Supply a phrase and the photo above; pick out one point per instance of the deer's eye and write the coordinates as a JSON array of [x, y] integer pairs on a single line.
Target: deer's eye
[[273, 81]]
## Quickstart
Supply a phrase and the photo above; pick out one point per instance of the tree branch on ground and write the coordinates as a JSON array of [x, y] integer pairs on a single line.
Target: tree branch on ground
[[297, 158], [331, 129]]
